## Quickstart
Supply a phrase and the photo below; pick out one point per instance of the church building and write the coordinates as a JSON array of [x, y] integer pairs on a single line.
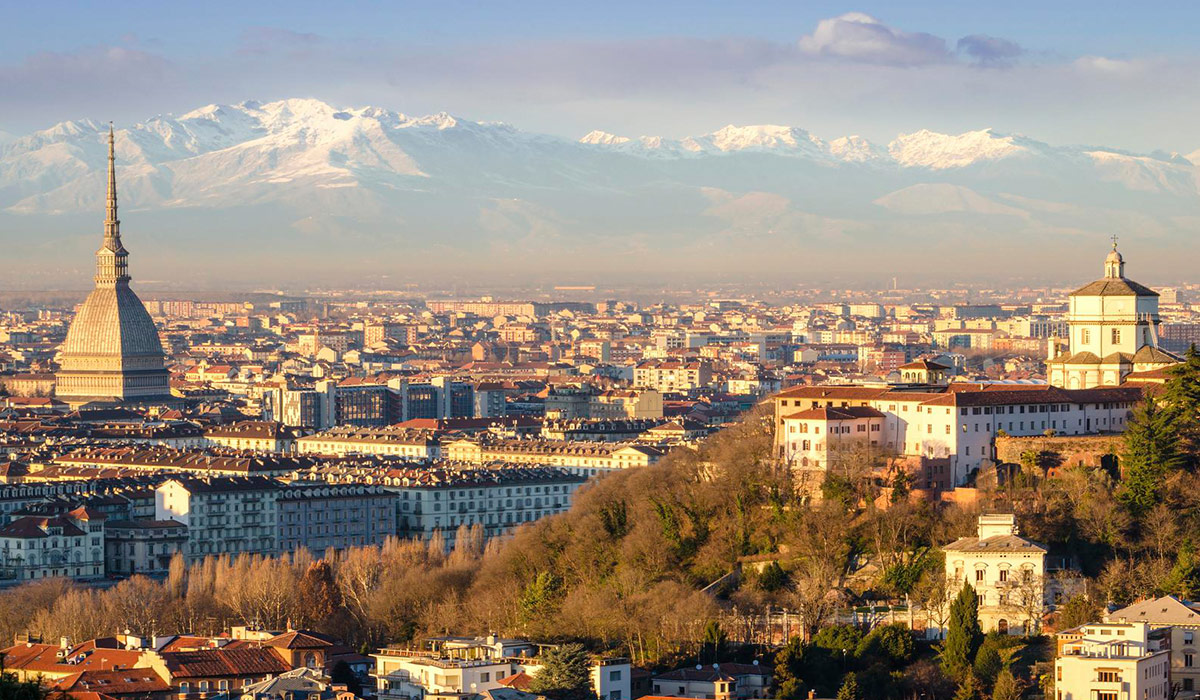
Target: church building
[[1113, 332], [112, 354]]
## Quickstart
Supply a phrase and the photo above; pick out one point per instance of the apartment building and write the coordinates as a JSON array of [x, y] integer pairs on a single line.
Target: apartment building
[[1180, 620], [324, 517], [223, 515], [69, 546], [142, 546], [1113, 661], [672, 375], [351, 440]]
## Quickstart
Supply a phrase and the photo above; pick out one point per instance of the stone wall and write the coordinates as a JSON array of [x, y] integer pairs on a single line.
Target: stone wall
[[1062, 451]]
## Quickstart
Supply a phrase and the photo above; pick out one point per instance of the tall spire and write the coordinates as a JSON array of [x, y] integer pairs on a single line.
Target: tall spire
[[112, 225], [112, 260]]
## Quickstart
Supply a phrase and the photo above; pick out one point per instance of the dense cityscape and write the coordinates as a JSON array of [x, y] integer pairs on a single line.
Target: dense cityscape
[[500, 487]]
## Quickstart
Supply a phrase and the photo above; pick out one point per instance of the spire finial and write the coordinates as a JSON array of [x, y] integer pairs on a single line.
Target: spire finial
[[111, 217], [1114, 240]]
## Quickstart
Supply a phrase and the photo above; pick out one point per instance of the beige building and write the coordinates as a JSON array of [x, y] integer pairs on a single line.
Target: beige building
[[1112, 661], [1113, 325], [1008, 573], [222, 515], [1182, 624]]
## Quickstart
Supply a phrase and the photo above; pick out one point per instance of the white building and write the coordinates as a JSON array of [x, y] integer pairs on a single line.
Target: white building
[[223, 515], [954, 427], [1181, 621], [1008, 574], [68, 546], [1112, 661], [1113, 326]]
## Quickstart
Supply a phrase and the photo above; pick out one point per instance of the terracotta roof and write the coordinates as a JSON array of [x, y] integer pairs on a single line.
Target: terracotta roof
[[211, 663], [845, 413], [297, 640], [138, 681]]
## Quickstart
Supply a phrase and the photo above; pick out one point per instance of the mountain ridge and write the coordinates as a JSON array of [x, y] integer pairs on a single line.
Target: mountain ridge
[[289, 174]]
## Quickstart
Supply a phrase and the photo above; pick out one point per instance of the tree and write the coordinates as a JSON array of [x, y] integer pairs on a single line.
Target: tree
[[893, 644], [964, 635], [13, 689], [565, 674], [714, 641], [1079, 610], [968, 689], [1006, 687], [1151, 453], [1181, 395], [540, 596], [773, 578], [987, 663], [849, 689], [319, 597]]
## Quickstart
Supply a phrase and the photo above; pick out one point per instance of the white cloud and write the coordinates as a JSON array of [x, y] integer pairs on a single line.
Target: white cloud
[[1110, 66], [860, 37]]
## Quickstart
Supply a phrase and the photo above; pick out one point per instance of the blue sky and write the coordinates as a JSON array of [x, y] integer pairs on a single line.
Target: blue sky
[[1118, 74]]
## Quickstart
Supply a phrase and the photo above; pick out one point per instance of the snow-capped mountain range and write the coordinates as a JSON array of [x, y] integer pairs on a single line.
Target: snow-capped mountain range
[[271, 174]]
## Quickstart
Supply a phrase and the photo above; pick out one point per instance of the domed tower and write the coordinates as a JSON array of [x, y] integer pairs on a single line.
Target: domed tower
[[1113, 331], [112, 353]]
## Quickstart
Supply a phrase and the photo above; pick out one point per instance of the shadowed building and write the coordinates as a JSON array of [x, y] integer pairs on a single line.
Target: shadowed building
[[112, 353]]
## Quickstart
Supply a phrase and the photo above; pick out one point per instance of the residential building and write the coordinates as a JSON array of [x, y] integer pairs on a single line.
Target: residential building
[[325, 517], [1181, 622], [223, 515], [142, 546], [727, 681], [49, 546], [1113, 661], [1008, 573]]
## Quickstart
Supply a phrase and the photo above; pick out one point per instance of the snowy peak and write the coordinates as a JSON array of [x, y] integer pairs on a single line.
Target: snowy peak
[[767, 137], [929, 149], [603, 138], [856, 149]]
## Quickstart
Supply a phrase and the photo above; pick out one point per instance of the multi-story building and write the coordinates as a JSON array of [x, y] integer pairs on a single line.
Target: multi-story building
[[1113, 661], [142, 546], [954, 427], [1181, 622], [584, 458], [727, 681], [69, 546], [672, 375], [442, 500], [323, 517], [222, 515], [1008, 573], [348, 440], [819, 440], [261, 436]]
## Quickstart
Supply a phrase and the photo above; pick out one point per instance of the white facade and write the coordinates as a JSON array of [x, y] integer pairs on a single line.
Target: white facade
[[223, 516], [1113, 331], [1007, 572], [1112, 661], [959, 424]]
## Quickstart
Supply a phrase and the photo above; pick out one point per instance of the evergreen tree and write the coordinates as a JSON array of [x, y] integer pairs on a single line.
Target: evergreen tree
[[566, 674], [773, 578], [987, 663], [1184, 578], [1151, 453], [1006, 686], [849, 689], [968, 689], [714, 641], [1181, 396], [963, 636]]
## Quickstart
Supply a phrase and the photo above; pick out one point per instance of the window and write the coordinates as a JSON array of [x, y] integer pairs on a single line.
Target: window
[[1188, 636], [1003, 574], [614, 675], [1189, 660], [1116, 335], [978, 575], [1108, 676]]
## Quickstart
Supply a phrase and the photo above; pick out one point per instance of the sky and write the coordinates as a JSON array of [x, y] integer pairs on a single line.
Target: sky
[[1118, 74]]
